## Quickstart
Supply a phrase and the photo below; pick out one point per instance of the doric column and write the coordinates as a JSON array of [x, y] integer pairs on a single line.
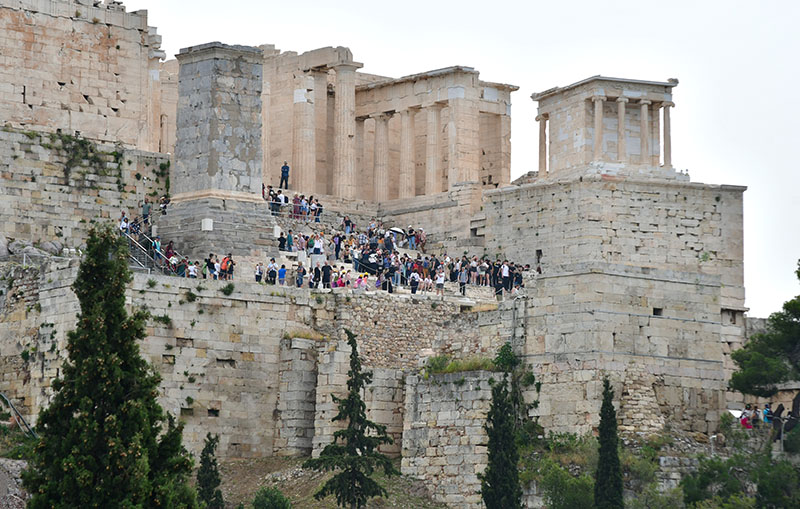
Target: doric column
[[463, 136], [344, 127], [644, 135], [304, 158], [324, 163], [622, 147], [667, 134], [381, 166], [542, 119], [361, 163], [433, 149], [407, 154]]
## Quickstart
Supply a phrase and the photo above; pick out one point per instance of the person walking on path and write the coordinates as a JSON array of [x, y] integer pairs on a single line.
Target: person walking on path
[[284, 183]]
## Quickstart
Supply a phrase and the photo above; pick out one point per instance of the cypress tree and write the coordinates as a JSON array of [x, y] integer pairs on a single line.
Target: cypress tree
[[354, 451], [208, 480], [103, 441], [608, 481], [500, 481]]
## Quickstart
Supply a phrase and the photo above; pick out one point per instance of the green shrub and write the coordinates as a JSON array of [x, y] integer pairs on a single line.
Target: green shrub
[[563, 491], [227, 289], [151, 283], [271, 498], [791, 442], [190, 296]]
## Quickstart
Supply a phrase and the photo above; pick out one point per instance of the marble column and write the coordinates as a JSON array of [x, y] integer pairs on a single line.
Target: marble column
[[344, 143], [598, 101], [361, 163], [644, 134], [324, 167], [622, 146], [667, 134], [304, 158], [542, 119], [407, 154], [433, 149], [381, 163]]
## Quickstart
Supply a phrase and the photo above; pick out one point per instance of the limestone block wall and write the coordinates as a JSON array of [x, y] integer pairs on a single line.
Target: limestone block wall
[[609, 319], [218, 138], [296, 396], [695, 228], [444, 442], [63, 184], [83, 67]]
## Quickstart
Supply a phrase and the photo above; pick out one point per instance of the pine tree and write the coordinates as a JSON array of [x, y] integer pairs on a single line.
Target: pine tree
[[354, 451], [102, 439], [500, 481], [608, 481], [208, 480]]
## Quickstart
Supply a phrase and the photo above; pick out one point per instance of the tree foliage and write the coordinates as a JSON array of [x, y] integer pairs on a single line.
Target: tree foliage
[[354, 451], [500, 481], [773, 357], [608, 480], [271, 498], [208, 479], [104, 439]]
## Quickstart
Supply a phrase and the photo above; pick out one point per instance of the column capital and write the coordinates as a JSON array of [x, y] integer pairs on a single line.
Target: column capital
[[382, 116], [598, 98], [667, 104], [645, 102], [542, 116], [347, 66], [622, 100]]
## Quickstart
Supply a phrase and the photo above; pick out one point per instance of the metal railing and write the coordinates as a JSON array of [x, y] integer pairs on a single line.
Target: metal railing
[[166, 266], [20, 420]]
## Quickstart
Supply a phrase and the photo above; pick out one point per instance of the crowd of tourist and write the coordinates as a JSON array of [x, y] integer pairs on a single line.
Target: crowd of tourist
[[751, 416], [371, 257]]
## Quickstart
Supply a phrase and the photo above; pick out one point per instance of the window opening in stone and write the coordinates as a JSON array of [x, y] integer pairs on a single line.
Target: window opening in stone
[[658, 311], [213, 412]]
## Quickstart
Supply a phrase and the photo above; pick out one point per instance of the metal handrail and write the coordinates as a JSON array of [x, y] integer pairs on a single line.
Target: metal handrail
[[142, 233], [144, 250], [19, 416]]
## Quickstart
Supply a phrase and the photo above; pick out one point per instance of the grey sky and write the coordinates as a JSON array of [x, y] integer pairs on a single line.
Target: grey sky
[[736, 115]]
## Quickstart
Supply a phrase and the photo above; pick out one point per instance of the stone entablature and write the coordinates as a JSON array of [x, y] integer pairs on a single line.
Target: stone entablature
[[600, 121]]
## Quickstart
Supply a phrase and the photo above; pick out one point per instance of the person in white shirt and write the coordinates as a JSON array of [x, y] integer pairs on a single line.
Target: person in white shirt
[[192, 270], [440, 283]]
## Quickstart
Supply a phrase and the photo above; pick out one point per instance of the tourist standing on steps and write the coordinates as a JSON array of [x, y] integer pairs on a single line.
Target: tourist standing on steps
[[284, 176]]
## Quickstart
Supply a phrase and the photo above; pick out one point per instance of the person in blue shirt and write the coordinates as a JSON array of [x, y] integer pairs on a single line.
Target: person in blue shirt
[[282, 275], [284, 176]]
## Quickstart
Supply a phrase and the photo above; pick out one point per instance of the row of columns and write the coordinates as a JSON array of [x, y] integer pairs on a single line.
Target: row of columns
[[622, 149], [644, 128]]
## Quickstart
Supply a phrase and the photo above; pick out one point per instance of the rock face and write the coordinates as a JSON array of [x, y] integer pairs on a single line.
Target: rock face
[[3, 247], [12, 496], [16, 246]]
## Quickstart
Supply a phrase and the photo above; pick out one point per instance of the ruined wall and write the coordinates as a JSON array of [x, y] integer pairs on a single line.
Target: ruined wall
[[444, 442], [81, 67], [63, 184]]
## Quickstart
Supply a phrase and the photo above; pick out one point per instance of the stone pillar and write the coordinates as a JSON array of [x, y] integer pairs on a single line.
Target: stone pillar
[[598, 101], [505, 150], [542, 119], [407, 154], [360, 159], [622, 147], [463, 141], [433, 149], [644, 134], [218, 144], [304, 158], [667, 134], [381, 163], [324, 162], [344, 131]]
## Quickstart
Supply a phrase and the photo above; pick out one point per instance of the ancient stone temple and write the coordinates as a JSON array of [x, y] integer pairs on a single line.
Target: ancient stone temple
[[636, 272]]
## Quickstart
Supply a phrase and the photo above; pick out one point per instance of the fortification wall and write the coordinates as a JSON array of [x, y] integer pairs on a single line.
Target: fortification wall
[[679, 226], [54, 186], [444, 442], [81, 66]]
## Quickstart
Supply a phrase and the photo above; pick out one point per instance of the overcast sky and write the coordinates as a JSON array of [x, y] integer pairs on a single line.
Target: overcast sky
[[736, 115]]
